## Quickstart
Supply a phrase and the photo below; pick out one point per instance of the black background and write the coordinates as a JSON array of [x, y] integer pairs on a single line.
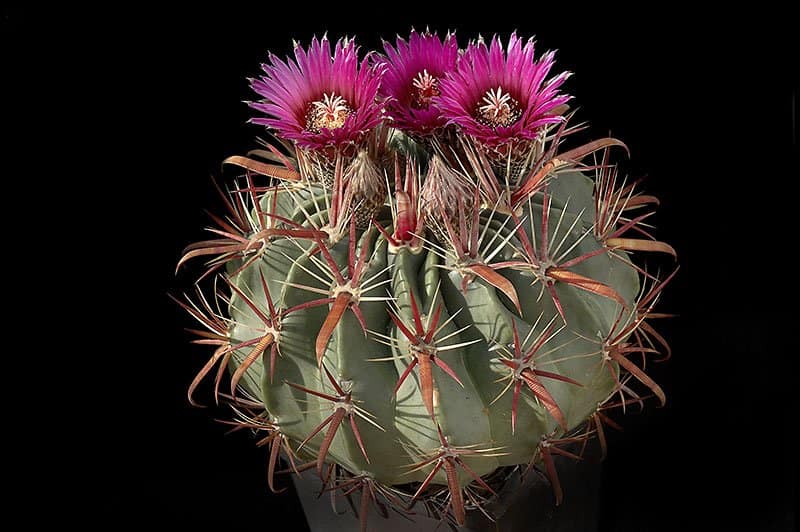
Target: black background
[[704, 101]]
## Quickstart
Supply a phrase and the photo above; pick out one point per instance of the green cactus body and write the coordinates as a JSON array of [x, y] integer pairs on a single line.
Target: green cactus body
[[479, 312], [396, 429]]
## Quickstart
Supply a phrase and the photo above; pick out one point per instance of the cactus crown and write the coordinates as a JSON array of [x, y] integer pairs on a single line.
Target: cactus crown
[[416, 311]]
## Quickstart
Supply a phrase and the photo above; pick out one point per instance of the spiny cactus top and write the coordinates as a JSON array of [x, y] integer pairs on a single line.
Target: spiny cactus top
[[416, 290]]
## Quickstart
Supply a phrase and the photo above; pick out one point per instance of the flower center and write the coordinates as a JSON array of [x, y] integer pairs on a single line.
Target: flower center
[[498, 108], [424, 88], [330, 112]]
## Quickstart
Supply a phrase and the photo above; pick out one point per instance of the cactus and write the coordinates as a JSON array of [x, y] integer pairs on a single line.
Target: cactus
[[414, 292]]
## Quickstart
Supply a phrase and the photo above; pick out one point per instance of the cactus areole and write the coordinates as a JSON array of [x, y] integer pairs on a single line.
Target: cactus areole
[[419, 287]]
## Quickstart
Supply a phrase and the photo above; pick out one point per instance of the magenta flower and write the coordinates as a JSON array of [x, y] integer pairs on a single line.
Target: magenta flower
[[501, 98], [320, 100], [413, 71]]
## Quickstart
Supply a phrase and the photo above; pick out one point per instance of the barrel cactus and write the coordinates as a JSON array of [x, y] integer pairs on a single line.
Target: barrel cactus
[[416, 288]]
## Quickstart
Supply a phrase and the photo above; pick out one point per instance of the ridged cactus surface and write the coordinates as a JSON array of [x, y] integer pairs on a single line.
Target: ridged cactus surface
[[415, 296], [456, 339]]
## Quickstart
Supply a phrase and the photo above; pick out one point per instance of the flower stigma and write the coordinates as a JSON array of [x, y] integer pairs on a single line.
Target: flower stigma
[[424, 88], [330, 112], [498, 108]]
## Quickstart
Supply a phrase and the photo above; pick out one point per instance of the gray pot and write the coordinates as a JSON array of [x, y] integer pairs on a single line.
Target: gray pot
[[520, 506]]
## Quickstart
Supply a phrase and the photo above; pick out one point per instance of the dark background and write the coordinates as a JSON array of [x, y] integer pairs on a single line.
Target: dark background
[[704, 101]]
